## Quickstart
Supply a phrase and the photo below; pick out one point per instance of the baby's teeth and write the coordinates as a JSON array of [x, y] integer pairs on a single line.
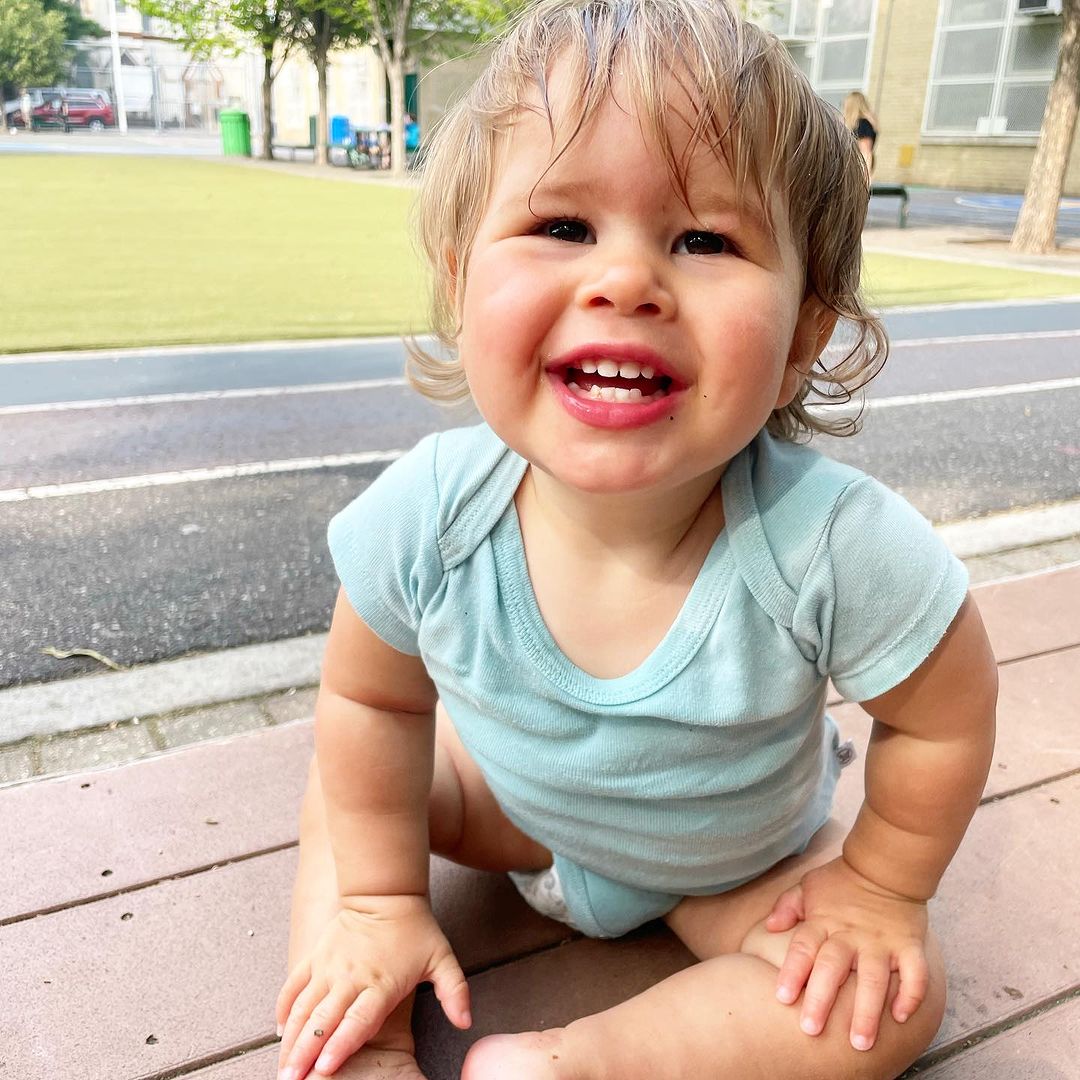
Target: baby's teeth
[[594, 391], [648, 372], [607, 393], [629, 370], [608, 368], [573, 386], [622, 393], [589, 367], [634, 394]]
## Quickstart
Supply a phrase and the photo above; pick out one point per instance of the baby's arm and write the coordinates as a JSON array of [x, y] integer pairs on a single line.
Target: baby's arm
[[374, 739], [929, 754]]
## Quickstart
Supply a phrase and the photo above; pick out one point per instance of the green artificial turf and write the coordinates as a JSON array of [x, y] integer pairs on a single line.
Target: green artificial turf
[[99, 251], [894, 280], [103, 251]]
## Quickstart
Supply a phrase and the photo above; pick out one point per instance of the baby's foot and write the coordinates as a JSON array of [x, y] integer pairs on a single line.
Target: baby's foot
[[371, 1063], [532, 1055], [390, 1055]]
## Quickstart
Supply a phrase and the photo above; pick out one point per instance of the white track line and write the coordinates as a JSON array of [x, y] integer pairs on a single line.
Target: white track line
[[974, 339], [137, 351], [201, 395], [195, 476], [377, 384], [265, 468], [941, 396]]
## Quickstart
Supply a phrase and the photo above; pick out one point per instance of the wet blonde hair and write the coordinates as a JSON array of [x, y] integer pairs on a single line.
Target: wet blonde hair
[[752, 107]]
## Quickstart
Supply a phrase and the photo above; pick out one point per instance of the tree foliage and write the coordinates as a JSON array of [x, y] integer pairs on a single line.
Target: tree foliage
[[210, 27], [323, 25], [404, 32], [76, 24], [32, 50], [410, 31]]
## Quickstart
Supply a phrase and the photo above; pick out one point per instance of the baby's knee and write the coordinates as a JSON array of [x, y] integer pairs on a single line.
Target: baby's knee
[[897, 1045]]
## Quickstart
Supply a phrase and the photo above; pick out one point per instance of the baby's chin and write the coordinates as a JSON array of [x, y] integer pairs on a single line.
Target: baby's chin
[[610, 473]]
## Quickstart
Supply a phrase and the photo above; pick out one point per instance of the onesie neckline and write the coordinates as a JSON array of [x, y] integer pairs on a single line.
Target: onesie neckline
[[675, 650]]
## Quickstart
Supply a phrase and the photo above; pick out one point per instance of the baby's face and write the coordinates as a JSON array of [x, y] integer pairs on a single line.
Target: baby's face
[[612, 337]]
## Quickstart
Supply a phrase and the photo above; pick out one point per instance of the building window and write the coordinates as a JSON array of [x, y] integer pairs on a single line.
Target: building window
[[991, 69], [828, 39]]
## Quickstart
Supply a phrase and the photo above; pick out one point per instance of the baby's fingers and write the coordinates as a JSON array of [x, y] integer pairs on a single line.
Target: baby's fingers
[[914, 982], [798, 962], [831, 970], [452, 991], [302, 1008], [871, 988], [787, 912], [298, 978], [310, 1031], [362, 1019]]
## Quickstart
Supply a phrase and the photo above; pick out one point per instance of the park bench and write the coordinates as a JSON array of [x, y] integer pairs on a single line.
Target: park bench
[[290, 148], [144, 912], [893, 191]]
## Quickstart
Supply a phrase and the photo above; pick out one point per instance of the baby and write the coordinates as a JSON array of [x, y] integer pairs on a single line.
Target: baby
[[588, 641]]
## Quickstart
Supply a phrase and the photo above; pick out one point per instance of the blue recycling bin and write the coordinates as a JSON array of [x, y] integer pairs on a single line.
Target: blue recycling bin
[[340, 131]]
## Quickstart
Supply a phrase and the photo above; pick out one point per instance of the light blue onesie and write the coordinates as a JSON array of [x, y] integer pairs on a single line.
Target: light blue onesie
[[714, 759]]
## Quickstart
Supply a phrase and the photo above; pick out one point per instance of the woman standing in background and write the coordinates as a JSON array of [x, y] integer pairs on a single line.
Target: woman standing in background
[[859, 120]]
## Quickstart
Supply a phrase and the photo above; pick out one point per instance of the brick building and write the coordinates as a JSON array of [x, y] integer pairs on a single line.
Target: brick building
[[959, 86]]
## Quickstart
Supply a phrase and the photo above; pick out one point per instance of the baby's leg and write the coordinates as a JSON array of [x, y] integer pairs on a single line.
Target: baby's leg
[[719, 1019], [465, 824]]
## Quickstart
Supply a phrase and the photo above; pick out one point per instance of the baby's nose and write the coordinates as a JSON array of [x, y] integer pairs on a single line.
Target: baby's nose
[[630, 285]]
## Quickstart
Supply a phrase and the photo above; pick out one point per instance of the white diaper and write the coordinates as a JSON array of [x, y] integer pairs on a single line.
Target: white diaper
[[542, 891]]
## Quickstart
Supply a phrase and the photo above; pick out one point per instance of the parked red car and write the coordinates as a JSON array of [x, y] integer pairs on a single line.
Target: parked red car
[[75, 108]]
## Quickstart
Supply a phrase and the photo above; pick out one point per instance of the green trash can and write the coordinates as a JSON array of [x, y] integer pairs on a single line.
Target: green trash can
[[235, 133]]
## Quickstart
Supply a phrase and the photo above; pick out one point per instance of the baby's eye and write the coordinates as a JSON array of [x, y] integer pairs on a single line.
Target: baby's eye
[[702, 243], [569, 229]]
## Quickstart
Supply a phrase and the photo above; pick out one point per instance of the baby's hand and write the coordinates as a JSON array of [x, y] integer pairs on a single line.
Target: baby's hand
[[850, 924], [369, 958]]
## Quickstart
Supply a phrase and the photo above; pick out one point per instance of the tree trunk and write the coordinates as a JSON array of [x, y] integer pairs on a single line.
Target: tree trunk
[[1036, 226], [395, 74], [322, 49], [393, 47], [268, 102]]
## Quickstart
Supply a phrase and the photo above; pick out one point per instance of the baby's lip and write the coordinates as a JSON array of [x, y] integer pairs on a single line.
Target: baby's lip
[[618, 351]]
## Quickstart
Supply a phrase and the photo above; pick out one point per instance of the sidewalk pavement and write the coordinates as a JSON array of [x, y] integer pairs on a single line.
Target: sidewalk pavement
[[278, 686], [970, 244]]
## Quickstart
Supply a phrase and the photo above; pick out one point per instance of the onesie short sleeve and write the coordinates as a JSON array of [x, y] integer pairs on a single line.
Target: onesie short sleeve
[[385, 547], [886, 589]]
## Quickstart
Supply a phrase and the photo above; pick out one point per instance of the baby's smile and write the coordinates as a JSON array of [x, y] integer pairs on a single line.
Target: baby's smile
[[624, 381]]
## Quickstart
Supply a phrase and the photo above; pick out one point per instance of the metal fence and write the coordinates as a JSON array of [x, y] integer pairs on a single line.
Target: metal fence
[[166, 91]]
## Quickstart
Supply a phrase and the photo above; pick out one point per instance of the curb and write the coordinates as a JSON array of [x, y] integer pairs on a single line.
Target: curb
[[1004, 532], [91, 701], [248, 671]]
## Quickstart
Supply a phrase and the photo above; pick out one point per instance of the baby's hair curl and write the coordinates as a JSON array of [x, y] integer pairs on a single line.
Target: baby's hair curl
[[752, 107]]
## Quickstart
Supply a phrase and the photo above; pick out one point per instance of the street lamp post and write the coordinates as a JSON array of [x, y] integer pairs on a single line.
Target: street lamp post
[[118, 77]]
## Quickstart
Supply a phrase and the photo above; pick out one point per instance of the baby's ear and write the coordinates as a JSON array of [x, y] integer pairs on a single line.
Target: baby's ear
[[813, 330]]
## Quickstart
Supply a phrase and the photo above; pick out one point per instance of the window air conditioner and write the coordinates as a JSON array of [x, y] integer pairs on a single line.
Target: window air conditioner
[[1038, 7]]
